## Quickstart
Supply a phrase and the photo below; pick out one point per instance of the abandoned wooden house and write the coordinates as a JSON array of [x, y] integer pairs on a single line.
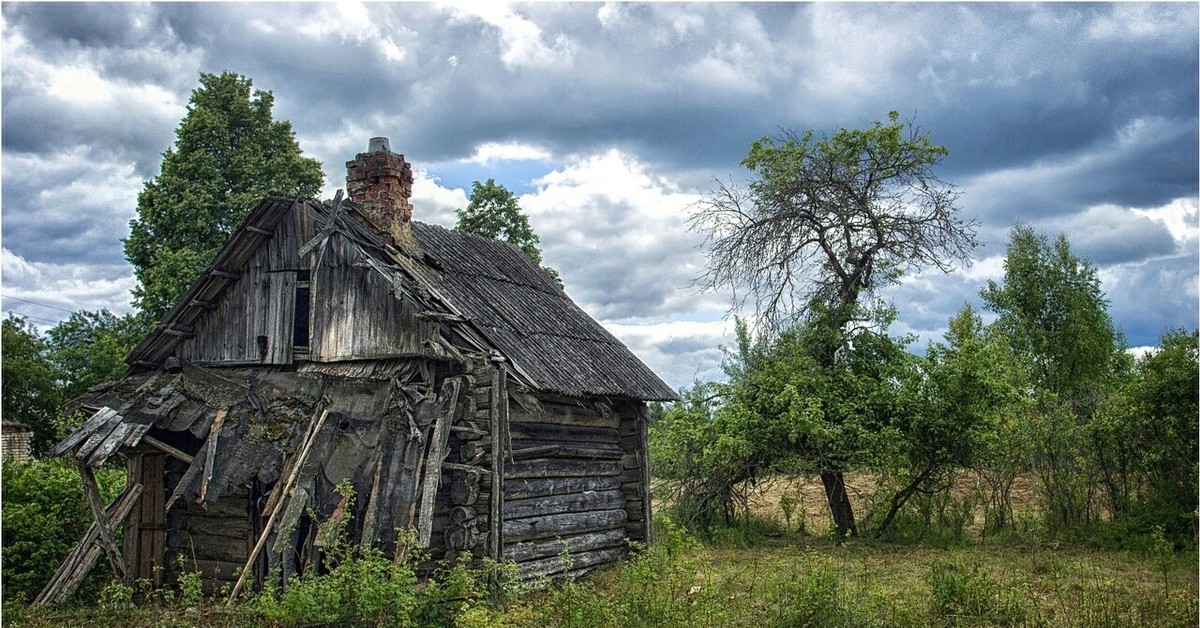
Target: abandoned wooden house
[[465, 399]]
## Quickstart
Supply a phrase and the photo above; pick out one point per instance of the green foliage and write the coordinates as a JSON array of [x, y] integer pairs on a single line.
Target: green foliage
[[31, 392], [968, 595], [90, 347], [228, 154], [1054, 314], [492, 212], [1146, 443], [45, 514]]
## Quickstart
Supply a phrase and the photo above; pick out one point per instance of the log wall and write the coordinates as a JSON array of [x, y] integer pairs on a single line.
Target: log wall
[[564, 489]]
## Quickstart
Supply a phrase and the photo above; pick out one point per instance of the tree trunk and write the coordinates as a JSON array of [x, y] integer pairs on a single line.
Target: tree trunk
[[839, 504]]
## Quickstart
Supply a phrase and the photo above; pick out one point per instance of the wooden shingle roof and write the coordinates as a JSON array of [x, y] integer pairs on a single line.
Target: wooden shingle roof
[[532, 322]]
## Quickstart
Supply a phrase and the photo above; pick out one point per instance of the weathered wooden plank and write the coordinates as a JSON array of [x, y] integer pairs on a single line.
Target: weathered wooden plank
[[434, 458], [93, 423], [643, 452], [496, 503], [566, 414], [532, 550], [550, 566], [110, 444], [558, 450], [525, 488], [557, 432], [570, 502], [527, 529], [115, 560], [214, 434], [310, 436], [161, 446], [79, 562], [562, 467]]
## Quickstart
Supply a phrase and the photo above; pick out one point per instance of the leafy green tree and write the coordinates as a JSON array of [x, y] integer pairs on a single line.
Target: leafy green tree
[[1054, 313], [968, 388], [31, 392], [90, 347], [492, 212], [1147, 433], [823, 225], [228, 154]]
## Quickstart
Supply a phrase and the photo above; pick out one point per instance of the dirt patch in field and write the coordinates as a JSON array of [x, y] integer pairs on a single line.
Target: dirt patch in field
[[805, 496]]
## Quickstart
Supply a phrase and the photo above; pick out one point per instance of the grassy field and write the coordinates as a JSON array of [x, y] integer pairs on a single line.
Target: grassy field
[[767, 574]]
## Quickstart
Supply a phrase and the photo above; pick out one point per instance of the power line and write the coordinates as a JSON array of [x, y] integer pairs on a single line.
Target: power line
[[53, 307], [36, 318]]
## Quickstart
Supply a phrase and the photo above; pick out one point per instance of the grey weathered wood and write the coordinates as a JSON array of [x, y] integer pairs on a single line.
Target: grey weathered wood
[[549, 526], [570, 502], [562, 467], [556, 432], [214, 434], [643, 451], [597, 452], [110, 444], [461, 538], [78, 436], [101, 518], [163, 447], [434, 458], [371, 517], [464, 489], [531, 550], [495, 531], [78, 563], [566, 414], [549, 566], [524, 488], [460, 515]]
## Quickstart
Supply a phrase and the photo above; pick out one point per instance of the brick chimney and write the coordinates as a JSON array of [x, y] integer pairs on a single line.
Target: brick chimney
[[380, 183]]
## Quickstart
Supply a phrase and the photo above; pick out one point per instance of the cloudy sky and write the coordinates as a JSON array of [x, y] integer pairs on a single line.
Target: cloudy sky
[[610, 120]]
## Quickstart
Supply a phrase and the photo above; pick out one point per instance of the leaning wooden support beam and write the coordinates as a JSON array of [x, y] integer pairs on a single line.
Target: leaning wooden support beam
[[106, 537], [79, 562], [309, 437], [434, 457]]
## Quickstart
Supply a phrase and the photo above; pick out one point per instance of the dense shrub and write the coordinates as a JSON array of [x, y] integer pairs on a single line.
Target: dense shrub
[[45, 515]]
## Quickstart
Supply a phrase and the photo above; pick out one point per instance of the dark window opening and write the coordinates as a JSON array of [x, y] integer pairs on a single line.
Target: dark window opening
[[301, 315]]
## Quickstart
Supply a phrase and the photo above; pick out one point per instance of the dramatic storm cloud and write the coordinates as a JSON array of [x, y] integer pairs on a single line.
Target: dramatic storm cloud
[[609, 121]]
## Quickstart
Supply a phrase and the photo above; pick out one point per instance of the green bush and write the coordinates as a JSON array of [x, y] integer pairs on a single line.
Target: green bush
[[45, 515], [962, 595]]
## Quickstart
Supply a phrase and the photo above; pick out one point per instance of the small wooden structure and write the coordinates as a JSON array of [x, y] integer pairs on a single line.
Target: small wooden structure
[[442, 376]]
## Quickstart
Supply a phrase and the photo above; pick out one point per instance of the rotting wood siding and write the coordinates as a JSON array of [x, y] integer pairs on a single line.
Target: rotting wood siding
[[354, 312], [358, 314]]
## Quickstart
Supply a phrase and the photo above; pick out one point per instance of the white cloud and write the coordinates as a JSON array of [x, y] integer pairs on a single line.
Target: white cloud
[[433, 203], [1181, 216], [521, 39], [60, 287], [490, 152]]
